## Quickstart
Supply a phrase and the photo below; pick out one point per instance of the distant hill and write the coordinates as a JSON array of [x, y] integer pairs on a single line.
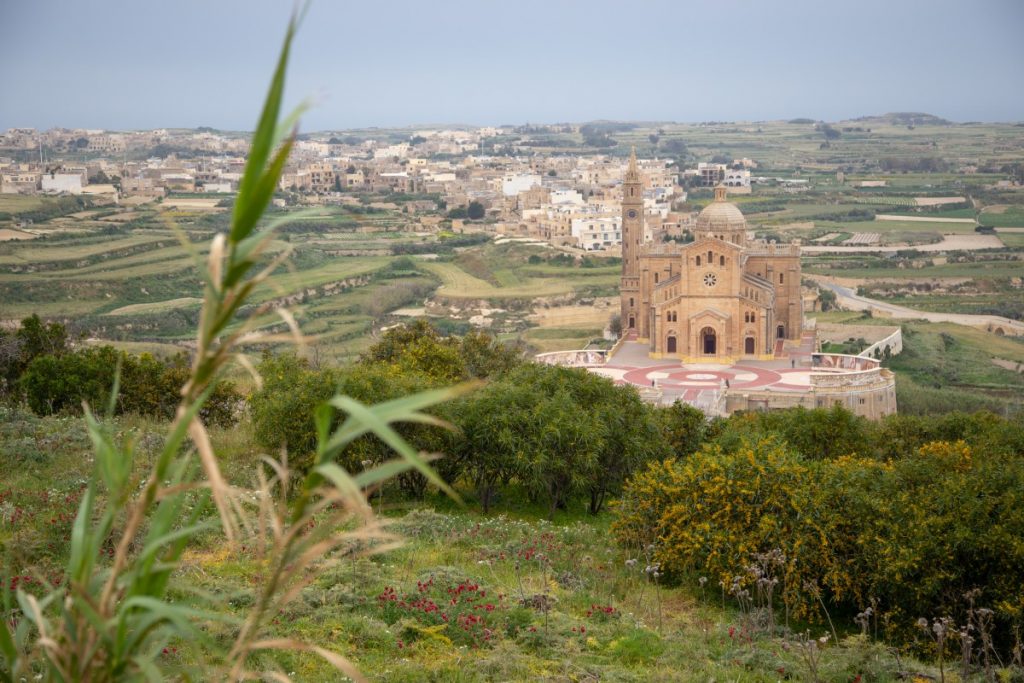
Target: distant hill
[[906, 118]]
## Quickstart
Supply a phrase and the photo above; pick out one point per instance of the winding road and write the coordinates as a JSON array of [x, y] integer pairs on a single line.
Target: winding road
[[848, 298]]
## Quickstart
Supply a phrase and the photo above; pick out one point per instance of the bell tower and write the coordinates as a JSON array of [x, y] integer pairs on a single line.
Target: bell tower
[[632, 238]]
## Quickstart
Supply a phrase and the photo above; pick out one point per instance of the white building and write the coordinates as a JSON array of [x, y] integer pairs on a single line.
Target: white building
[[739, 178], [401, 150], [220, 187], [56, 183], [595, 233], [514, 183], [561, 197]]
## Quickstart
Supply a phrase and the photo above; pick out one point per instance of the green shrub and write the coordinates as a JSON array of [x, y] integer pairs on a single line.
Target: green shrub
[[282, 410], [914, 532], [62, 383]]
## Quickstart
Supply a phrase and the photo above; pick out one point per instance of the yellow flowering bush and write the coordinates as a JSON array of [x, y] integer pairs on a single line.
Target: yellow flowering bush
[[914, 533]]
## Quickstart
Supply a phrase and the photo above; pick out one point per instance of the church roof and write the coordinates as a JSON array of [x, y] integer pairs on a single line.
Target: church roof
[[721, 215]]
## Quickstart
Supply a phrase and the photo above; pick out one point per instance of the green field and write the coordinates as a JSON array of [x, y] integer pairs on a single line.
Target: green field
[[157, 306], [1003, 216], [16, 203]]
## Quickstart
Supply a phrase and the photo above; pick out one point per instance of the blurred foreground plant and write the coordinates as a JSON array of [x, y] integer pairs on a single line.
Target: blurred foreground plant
[[112, 620]]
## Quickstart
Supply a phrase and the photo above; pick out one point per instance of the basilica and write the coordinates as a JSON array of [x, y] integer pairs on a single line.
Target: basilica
[[717, 299]]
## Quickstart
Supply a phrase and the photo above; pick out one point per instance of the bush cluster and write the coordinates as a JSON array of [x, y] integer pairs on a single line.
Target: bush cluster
[[908, 515], [556, 433], [38, 365]]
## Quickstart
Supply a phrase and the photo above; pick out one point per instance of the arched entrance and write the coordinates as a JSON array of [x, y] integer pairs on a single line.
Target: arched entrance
[[780, 331], [748, 345], [708, 341], [632, 322], [670, 344]]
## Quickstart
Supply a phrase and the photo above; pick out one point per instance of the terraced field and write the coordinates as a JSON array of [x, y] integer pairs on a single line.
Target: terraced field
[[41, 253], [458, 284], [157, 306]]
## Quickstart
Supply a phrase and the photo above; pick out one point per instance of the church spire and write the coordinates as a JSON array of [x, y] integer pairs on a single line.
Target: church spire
[[632, 173]]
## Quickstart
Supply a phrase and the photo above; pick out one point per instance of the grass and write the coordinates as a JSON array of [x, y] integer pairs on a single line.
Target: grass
[[603, 622], [1014, 240], [156, 306], [459, 284], [1004, 216], [546, 339], [77, 249], [16, 203], [334, 270]]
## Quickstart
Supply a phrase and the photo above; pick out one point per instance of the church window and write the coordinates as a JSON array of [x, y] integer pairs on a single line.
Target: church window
[[655, 278], [698, 260], [630, 301], [721, 260], [711, 257], [780, 278]]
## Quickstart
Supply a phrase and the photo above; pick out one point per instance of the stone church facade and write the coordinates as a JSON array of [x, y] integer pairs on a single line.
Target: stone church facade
[[718, 299]]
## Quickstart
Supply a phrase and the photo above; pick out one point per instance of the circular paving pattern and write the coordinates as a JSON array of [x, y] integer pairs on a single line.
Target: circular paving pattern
[[736, 377]]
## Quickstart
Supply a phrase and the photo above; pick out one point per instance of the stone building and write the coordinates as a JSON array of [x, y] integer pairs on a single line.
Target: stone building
[[717, 299]]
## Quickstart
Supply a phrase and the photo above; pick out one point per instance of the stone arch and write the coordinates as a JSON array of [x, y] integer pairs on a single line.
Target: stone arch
[[709, 341]]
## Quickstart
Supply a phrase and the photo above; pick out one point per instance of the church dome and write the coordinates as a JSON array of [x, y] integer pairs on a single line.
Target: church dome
[[721, 215]]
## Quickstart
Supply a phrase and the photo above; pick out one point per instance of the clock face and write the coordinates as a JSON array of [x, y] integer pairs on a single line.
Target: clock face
[[631, 213], [710, 280]]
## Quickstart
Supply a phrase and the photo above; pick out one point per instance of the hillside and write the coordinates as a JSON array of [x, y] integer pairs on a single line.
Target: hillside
[[468, 597]]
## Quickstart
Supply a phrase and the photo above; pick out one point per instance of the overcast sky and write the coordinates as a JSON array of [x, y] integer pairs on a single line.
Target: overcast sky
[[130, 64]]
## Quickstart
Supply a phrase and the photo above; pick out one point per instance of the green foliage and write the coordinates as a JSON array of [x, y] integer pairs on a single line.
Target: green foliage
[[419, 348], [907, 513], [32, 339], [559, 432], [475, 211], [821, 433], [148, 386], [683, 426], [282, 409]]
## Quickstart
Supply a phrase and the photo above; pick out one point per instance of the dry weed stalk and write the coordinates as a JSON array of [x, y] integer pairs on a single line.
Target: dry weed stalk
[[111, 622]]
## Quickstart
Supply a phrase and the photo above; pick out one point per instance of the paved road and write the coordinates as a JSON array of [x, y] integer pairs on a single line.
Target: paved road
[[850, 299], [948, 243]]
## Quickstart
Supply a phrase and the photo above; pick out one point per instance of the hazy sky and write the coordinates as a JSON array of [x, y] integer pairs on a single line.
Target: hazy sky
[[124, 64]]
